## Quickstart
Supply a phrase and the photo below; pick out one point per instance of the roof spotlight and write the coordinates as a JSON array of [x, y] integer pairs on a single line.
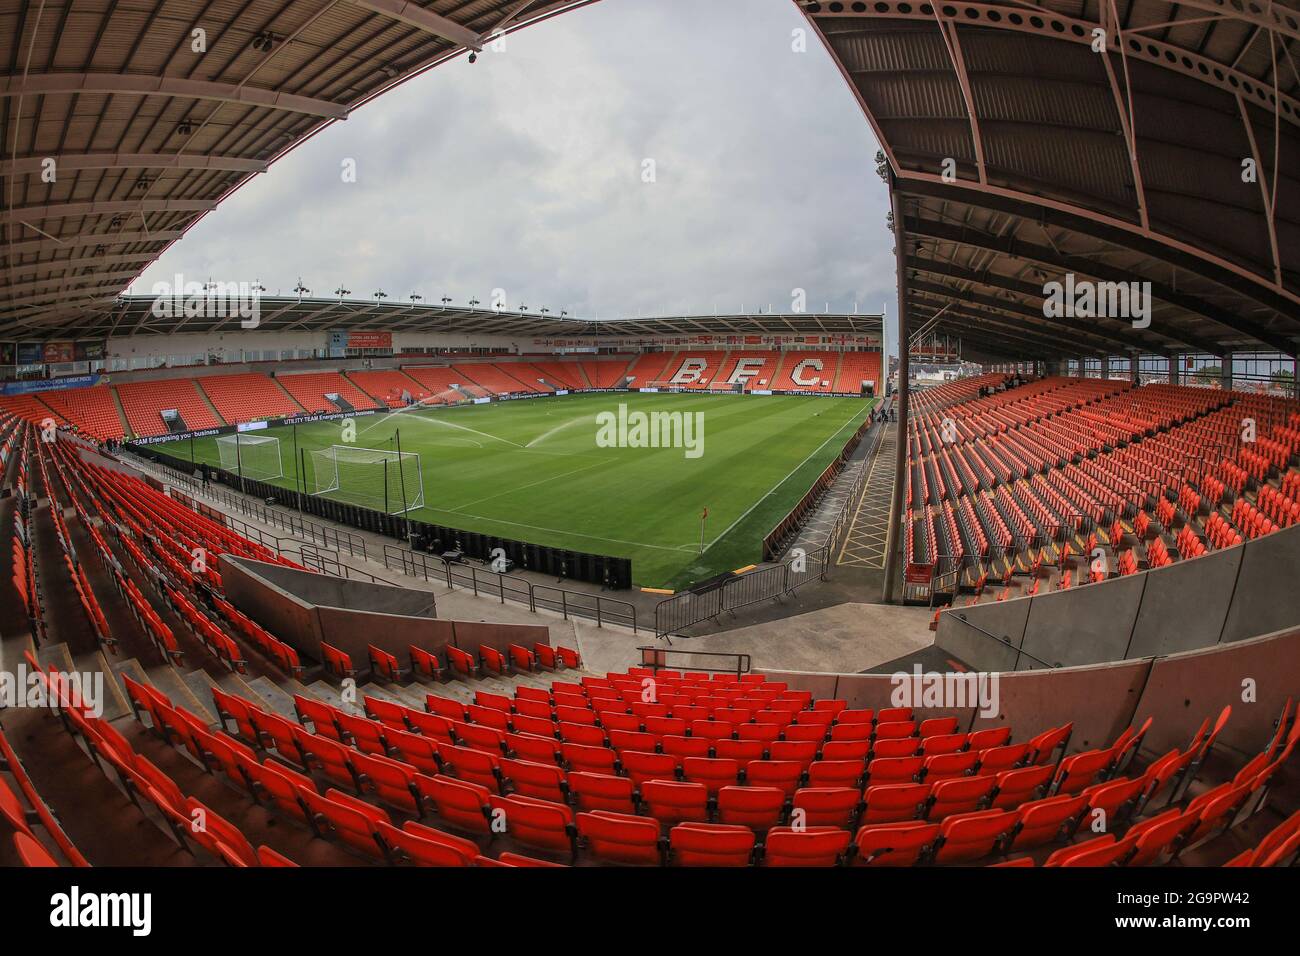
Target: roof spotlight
[[473, 57]]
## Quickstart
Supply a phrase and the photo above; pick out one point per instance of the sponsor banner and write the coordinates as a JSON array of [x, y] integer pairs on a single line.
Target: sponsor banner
[[49, 384], [56, 353], [31, 353], [517, 396], [8, 352], [321, 417], [252, 426], [370, 340], [181, 436], [647, 389], [91, 351], [561, 391], [482, 401], [760, 391]]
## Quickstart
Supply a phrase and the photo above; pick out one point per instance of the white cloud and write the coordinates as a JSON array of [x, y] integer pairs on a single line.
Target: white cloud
[[522, 171]]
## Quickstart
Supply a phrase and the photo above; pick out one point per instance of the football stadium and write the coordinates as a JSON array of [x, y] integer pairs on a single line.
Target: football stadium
[[1003, 574]]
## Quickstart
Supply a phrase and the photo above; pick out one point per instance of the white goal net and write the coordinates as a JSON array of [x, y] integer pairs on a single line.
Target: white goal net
[[253, 456], [370, 477]]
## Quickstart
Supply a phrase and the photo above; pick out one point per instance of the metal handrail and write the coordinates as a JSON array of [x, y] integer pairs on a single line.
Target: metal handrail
[[567, 602], [655, 656], [1005, 643]]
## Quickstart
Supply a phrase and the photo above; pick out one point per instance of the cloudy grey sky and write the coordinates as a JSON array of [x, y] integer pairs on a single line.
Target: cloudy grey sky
[[523, 172]]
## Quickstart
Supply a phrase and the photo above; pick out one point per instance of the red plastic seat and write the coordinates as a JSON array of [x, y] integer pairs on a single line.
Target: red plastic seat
[[600, 791], [712, 773], [814, 846], [895, 802], [32, 853], [473, 766], [895, 844], [969, 836], [1104, 850], [962, 795], [339, 816], [785, 775], [531, 779], [391, 781], [710, 844], [1080, 770], [641, 767], [537, 823], [676, 802], [425, 846], [621, 838], [758, 808], [458, 802], [826, 806], [1020, 786], [1045, 821]]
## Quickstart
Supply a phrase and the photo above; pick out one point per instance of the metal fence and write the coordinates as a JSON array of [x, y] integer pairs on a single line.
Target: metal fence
[[657, 657], [675, 614], [485, 582], [287, 521]]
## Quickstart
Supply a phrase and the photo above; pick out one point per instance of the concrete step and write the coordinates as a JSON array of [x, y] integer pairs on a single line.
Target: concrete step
[[333, 695], [272, 696], [200, 683], [168, 680], [115, 702], [57, 656]]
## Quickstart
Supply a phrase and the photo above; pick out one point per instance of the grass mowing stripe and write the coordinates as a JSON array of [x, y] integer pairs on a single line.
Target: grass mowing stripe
[[760, 455]]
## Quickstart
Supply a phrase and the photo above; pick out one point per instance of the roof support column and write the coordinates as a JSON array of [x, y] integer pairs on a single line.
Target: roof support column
[[1133, 367], [1225, 372], [1174, 360], [893, 538]]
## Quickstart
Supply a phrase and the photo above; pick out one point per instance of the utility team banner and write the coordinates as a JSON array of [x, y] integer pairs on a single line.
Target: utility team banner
[[49, 384]]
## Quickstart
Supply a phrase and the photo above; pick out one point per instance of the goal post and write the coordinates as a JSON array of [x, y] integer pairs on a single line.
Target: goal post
[[377, 478], [251, 456]]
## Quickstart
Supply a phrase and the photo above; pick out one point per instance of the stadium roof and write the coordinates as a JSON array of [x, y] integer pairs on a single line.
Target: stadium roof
[[1122, 166], [134, 315], [147, 135]]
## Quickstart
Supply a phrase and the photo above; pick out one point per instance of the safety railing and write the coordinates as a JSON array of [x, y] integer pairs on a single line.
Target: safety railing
[[1019, 651], [293, 524], [674, 614], [486, 582], [657, 658]]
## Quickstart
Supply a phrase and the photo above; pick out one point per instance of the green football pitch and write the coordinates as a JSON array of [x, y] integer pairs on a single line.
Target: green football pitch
[[543, 471]]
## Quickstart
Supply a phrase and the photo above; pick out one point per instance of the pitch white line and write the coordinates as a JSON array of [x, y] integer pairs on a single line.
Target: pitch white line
[[727, 531], [573, 534], [531, 484]]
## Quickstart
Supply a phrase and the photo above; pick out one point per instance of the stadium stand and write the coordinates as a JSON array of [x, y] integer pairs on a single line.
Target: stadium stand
[[494, 380], [144, 402], [808, 371], [248, 397], [445, 383], [650, 367], [607, 373], [92, 410], [387, 386], [856, 368], [309, 389]]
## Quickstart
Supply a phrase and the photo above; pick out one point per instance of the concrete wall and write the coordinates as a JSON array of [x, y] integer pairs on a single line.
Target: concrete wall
[[1226, 596], [303, 609], [1179, 691]]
